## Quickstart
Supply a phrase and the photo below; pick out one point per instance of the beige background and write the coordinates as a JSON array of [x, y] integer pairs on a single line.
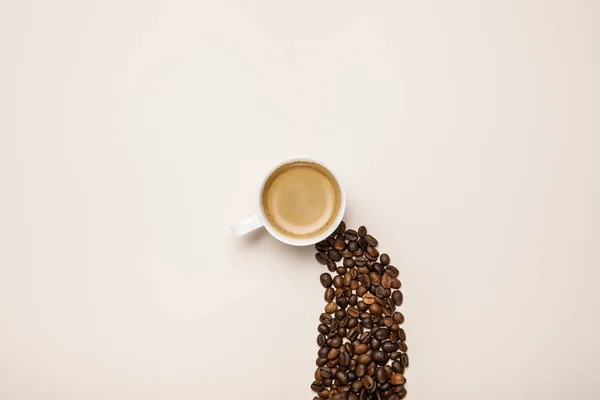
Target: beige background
[[133, 133]]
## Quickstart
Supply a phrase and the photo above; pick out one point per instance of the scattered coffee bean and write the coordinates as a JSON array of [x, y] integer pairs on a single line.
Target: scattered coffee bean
[[362, 349]]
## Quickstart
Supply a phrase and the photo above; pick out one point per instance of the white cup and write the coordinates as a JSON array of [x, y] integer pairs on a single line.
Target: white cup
[[259, 219]]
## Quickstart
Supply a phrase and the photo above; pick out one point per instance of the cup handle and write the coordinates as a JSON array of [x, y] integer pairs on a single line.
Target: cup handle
[[246, 225]]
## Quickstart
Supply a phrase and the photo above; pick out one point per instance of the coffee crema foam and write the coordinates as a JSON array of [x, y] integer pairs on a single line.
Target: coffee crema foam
[[301, 199]]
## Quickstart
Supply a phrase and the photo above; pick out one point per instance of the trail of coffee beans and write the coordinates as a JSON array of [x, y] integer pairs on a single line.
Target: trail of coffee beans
[[362, 348]]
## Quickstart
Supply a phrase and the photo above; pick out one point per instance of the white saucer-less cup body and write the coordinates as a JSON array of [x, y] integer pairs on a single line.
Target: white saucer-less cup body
[[259, 219]]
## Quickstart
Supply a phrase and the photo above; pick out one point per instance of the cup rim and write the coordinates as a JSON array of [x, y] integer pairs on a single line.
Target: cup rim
[[303, 241]]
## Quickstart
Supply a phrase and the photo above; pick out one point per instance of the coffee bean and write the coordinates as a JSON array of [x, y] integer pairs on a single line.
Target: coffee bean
[[347, 254], [353, 312], [329, 294], [348, 262], [341, 228], [339, 245], [323, 351], [375, 343], [361, 348], [384, 258], [379, 268], [396, 284], [397, 297], [392, 271], [324, 394], [367, 323], [365, 337], [347, 279], [341, 270], [375, 309], [395, 355], [390, 304], [326, 280], [398, 317], [353, 246], [322, 258], [371, 241], [386, 281], [404, 359], [362, 231], [382, 333], [380, 292], [402, 335], [338, 281], [342, 302], [352, 322], [389, 347], [372, 251], [398, 379], [353, 299], [351, 235], [334, 255], [317, 386], [335, 341], [359, 261], [333, 353], [402, 346], [362, 306], [356, 386], [331, 307], [363, 244], [321, 340], [340, 396], [331, 266], [380, 375], [323, 329], [398, 367], [342, 378], [368, 382], [380, 357], [322, 246]]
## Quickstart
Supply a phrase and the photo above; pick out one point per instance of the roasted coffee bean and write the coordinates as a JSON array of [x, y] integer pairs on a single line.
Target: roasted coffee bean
[[392, 271], [402, 335], [380, 292], [370, 257], [323, 329], [388, 321], [324, 394], [367, 323], [339, 314], [356, 385], [359, 261], [361, 348], [322, 246], [329, 295], [398, 367], [397, 297], [364, 359], [404, 359], [403, 347], [380, 357], [353, 300], [342, 302], [361, 290], [368, 382], [389, 347], [368, 298], [323, 351], [347, 279], [322, 258], [353, 312], [338, 281], [325, 318], [347, 254], [398, 379], [342, 378], [349, 349], [390, 304], [360, 370], [359, 252], [339, 245], [384, 258], [317, 386], [379, 268], [331, 266], [333, 353], [386, 281], [371, 241], [380, 375], [395, 327], [321, 361], [335, 341], [375, 343], [365, 337], [331, 307], [398, 317], [375, 278], [394, 336], [362, 231], [352, 323], [382, 333], [351, 235], [348, 262], [375, 309], [326, 280], [396, 284], [340, 396], [341, 270], [332, 363], [341, 228], [352, 246], [395, 355], [362, 306], [321, 340], [363, 244], [334, 255]]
